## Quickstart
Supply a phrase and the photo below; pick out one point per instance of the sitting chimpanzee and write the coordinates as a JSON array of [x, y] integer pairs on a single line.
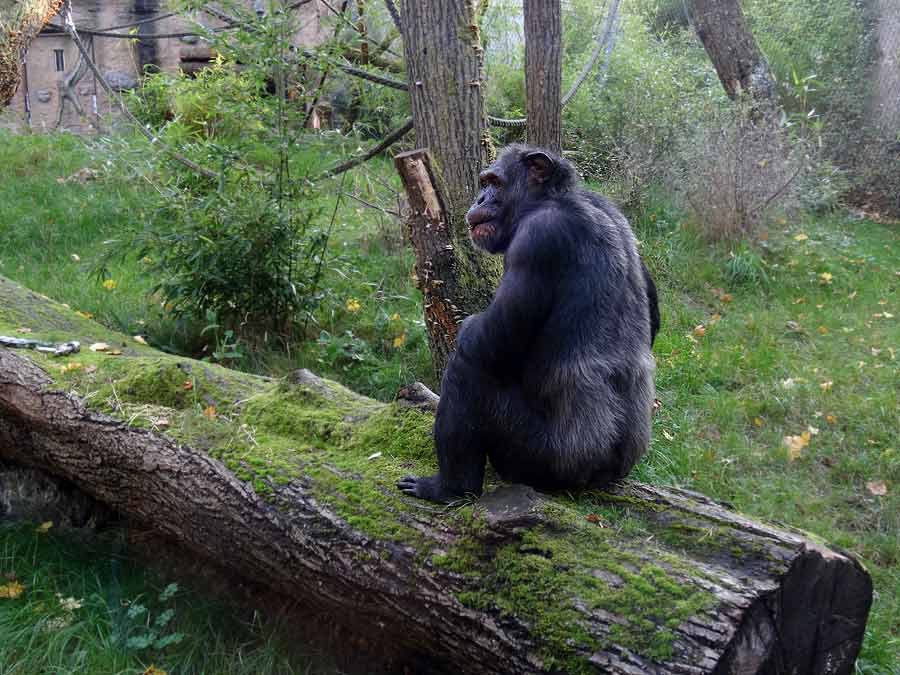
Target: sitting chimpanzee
[[554, 381]]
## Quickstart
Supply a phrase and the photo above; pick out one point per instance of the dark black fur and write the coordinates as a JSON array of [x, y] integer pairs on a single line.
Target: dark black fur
[[554, 380]]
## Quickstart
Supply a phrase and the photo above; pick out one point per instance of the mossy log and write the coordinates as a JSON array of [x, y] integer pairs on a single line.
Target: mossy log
[[291, 483]]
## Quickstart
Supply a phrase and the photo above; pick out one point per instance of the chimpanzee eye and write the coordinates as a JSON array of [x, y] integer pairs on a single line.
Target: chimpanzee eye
[[489, 178]]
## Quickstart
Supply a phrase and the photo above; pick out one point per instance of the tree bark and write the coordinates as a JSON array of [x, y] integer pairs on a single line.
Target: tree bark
[[430, 234], [738, 61], [885, 106], [291, 483], [442, 42], [543, 73]]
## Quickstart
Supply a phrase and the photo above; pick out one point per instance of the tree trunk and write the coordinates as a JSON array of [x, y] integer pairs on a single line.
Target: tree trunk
[[442, 41], [291, 483], [543, 73], [430, 236], [886, 89], [739, 63]]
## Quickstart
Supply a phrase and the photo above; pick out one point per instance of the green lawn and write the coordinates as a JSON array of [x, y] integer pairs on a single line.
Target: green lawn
[[777, 367]]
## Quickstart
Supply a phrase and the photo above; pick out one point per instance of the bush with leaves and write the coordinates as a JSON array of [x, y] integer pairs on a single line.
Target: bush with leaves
[[248, 246]]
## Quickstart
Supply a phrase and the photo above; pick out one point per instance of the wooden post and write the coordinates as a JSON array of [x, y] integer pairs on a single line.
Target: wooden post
[[431, 238]]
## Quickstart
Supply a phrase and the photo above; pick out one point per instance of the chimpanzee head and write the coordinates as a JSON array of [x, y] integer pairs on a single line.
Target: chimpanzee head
[[521, 179]]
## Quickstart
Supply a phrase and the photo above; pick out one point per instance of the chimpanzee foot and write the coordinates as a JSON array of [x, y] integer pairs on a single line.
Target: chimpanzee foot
[[426, 487]]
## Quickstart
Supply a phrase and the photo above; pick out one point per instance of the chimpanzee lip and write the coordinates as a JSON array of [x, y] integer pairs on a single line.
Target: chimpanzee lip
[[484, 228]]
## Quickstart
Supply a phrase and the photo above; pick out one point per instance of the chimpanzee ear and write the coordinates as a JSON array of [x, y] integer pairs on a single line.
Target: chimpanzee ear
[[541, 166]]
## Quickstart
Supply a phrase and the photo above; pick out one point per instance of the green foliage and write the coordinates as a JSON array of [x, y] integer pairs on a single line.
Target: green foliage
[[236, 252], [143, 630], [88, 606]]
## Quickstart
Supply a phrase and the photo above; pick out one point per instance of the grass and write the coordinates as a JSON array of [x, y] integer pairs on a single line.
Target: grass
[[86, 607], [792, 337]]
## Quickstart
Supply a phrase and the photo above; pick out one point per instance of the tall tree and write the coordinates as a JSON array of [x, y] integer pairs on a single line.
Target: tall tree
[[543, 73], [739, 63], [444, 62]]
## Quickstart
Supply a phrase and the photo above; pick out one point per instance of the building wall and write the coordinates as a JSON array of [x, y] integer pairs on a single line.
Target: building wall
[[120, 60]]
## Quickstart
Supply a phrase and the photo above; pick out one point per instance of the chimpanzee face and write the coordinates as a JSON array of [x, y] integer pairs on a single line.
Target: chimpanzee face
[[516, 178], [487, 217]]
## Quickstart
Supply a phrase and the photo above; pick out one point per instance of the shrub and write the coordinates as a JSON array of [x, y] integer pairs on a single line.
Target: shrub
[[736, 167]]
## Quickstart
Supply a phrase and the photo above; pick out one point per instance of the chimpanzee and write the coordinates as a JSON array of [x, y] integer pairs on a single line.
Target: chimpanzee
[[554, 380]]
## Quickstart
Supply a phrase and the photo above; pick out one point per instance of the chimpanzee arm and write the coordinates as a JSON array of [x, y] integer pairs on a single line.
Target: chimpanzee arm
[[653, 300], [499, 338]]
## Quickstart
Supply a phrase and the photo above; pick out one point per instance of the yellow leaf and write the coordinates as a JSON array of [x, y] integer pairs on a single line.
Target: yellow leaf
[[210, 412], [43, 528], [353, 305], [852, 295], [76, 257], [12, 590], [109, 284], [831, 419], [84, 315], [822, 330], [758, 422], [99, 347], [801, 237], [395, 317], [399, 341], [726, 297], [795, 444], [140, 339], [826, 386], [153, 670], [115, 352], [669, 437], [24, 330], [825, 278], [715, 318], [877, 487]]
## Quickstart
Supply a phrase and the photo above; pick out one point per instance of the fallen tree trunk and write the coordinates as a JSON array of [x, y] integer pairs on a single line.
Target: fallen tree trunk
[[291, 483]]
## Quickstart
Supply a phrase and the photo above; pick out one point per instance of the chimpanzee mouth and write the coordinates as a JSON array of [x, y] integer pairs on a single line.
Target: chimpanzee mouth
[[482, 230]]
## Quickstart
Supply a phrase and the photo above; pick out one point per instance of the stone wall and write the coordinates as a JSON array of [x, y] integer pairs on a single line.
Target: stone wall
[[45, 102]]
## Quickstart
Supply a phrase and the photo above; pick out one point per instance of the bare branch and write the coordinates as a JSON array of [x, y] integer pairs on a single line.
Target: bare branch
[[388, 141], [393, 214]]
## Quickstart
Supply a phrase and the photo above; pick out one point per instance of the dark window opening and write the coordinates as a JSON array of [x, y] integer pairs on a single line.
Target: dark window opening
[[60, 60]]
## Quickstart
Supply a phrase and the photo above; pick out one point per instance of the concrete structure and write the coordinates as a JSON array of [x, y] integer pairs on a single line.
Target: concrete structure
[[58, 91]]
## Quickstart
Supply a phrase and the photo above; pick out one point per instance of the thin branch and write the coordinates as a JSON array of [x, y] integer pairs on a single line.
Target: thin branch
[[777, 193], [388, 141], [605, 37], [395, 15], [117, 98], [324, 78], [359, 72], [362, 201], [340, 15]]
